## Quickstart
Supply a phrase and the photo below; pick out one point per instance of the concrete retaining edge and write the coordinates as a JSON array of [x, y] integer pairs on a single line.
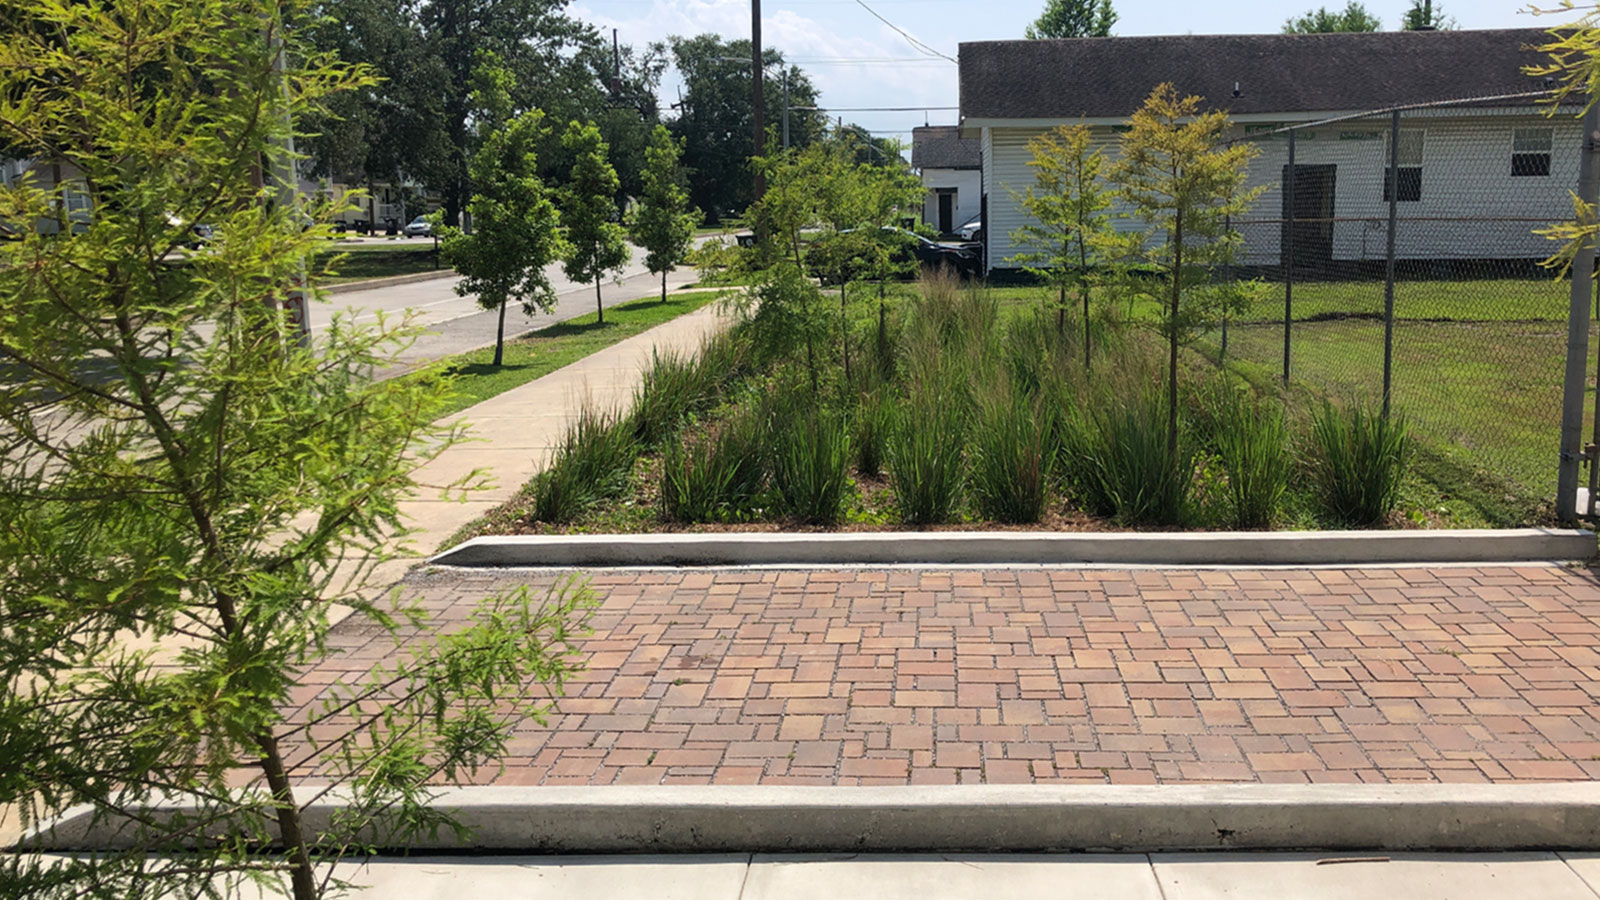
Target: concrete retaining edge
[[1020, 547], [981, 818], [346, 287]]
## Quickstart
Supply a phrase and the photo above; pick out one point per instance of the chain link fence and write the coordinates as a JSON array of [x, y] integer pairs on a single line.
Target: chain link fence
[[1403, 267]]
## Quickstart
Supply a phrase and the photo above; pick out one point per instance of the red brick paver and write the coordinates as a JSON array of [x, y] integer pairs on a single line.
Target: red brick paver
[[932, 676]]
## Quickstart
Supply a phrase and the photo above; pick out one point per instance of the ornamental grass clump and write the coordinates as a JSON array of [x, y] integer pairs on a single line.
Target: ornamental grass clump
[[1013, 458], [811, 464], [1356, 459], [874, 417], [717, 479], [1128, 471], [1251, 440], [592, 464], [926, 465], [674, 387]]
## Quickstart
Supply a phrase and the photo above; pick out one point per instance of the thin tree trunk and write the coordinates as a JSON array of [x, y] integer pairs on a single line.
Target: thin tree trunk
[[883, 333], [1172, 337], [500, 335], [1083, 289], [302, 878], [663, 285], [599, 307], [1061, 309]]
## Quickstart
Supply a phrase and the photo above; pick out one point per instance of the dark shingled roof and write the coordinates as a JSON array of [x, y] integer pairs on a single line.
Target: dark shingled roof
[[1110, 77], [943, 147]]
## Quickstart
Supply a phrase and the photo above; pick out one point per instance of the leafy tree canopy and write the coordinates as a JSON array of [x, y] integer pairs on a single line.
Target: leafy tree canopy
[[663, 223], [596, 242], [1073, 19], [1354, 17], [1425, 15]]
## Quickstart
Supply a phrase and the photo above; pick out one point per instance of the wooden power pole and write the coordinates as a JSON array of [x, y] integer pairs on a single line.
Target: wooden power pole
[[757, 102]]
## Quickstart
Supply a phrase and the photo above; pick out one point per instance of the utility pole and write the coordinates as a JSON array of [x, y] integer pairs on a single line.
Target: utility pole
[[757, 102], [785, 106], [1575, 383]]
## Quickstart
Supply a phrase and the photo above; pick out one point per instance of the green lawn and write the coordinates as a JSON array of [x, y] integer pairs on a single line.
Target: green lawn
[[381, 259], [548, 349]]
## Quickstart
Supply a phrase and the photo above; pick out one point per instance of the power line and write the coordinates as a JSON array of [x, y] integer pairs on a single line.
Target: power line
[[874, 108], [916, 44]]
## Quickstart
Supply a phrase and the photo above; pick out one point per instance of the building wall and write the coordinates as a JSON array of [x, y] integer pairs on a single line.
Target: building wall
[[1471, 206], [968, 184]]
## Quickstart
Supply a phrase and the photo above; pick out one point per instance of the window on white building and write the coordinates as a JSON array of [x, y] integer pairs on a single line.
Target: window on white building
[[1530, 151], [1408, 179]]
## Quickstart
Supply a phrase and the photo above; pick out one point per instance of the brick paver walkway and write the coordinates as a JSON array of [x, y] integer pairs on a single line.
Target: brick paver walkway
[[963, 676]]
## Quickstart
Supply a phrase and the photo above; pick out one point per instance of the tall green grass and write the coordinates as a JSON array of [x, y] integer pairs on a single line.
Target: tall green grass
[[811, 464], [1251, 440], [717, 479], [1013, 458], [593, 464], [925, 454], [1123, 467], [1355, 459], [874, 418]]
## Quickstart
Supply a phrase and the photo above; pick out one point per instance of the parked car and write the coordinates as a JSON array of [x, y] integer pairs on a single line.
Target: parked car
[[419, 227], [963, 259], [972, 230], [8, 233]]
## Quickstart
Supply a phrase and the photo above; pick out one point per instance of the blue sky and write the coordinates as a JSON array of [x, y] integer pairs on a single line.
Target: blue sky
[[858, 61]]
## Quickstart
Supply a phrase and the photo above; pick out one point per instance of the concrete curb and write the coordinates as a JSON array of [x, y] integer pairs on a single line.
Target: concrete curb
[[981, 818], [976, 548], [393, 280]]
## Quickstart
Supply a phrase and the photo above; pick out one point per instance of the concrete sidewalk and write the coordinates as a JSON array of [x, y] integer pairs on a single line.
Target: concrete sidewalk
[[512, 434], [1161, 876]]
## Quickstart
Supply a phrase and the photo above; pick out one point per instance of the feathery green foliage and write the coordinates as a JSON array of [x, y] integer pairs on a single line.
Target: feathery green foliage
[[1354, 17], [189, 469], [1073, 19]]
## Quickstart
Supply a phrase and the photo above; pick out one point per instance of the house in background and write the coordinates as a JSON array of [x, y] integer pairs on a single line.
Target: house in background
[[951, 170], [1474, 180]]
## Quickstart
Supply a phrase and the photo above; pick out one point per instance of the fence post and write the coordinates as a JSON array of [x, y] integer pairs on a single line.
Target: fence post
[[1577, 374], [1388, 269], [1287, 253], [1227, 275]]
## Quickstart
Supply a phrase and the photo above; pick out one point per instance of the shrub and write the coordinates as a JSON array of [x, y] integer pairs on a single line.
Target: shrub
[[717, 479], [674, 386], [1126, 470], [1013, 461], [1355, 460], [811, 464], [925, 453], [873, 420], [592, 464], [1252, 442]]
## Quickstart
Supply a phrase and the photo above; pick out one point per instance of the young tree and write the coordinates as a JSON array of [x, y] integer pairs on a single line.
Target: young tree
[[595, 243], [663, 224], [1182, 182], [1073, 19], [516, 227], [1067, 200], [1423, 15], [1354, 17], [182, 471]]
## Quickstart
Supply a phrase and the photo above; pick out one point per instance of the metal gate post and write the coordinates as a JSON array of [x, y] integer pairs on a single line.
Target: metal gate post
[[1577, 372], [1287, 252], [1388, 276]]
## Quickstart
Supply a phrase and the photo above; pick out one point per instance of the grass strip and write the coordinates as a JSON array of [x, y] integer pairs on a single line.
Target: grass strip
[[548, 349]]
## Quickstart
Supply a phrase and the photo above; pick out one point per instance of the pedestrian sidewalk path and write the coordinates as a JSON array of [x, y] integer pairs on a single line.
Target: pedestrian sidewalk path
[[1056, 674], [512, 434], [1160, 876]]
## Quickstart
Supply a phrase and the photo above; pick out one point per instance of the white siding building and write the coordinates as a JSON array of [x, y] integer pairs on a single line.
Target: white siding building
[[1475, 180], [951, 170]]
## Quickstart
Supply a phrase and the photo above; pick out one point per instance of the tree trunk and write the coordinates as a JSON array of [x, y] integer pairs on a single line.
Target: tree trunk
[[500, 335], [302, 877], [1061, 310], [1172, 337], [663, 285], [599, 307], [883, 333], [1083, 289]]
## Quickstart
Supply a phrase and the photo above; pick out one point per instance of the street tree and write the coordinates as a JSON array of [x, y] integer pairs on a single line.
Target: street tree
[[1182, 182], [1425, 15], [663, 223], [1067, 203], [1073, 19], [516, 227], [1354, 17], [715, 118], [596, 243], [184, 473]]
